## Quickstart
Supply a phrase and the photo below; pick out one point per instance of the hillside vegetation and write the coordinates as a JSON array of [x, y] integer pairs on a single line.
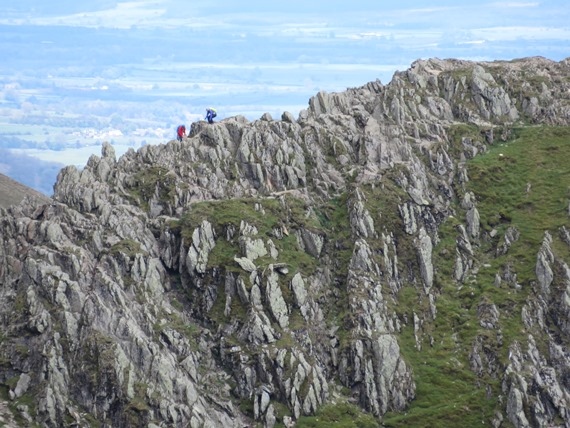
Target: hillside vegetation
[[395, 256], [522, 183]]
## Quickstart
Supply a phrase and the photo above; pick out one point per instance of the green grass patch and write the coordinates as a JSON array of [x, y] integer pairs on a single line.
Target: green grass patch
[[153, 181], [448, 392], [127, 246], [538, 156], [267, 215], [264, 214], [523, 183], [341, 415]]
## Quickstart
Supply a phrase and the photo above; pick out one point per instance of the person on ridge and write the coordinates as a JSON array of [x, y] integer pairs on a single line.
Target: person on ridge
[[211, 114], [181, 132]]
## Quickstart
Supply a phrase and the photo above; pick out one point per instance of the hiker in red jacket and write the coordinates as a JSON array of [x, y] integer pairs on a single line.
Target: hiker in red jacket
[[181, 132]]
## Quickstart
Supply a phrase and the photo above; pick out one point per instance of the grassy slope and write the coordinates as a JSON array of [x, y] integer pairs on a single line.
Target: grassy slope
[[448, 392], [13, 192]]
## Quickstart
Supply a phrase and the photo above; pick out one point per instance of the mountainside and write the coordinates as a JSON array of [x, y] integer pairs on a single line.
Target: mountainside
[[13, 192], [397, 255]]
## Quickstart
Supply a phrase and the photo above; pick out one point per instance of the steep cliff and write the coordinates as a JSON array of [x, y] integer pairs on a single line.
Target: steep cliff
[[260, 272]]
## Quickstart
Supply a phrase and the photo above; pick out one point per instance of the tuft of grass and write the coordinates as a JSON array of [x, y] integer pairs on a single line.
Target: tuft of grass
[[151, 181], [127, 246], [340, 415]]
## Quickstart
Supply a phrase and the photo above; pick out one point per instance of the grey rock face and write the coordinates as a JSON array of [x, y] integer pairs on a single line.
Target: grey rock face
[[311, 242], [274, 296], [259, 270], [202, 243], [425, 246], [511, 235], [544, 259], [464, 255], [374, 361], [540, 369], [360, 219]]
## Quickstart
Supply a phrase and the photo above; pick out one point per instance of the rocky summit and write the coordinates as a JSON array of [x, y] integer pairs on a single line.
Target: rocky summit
[[395, 256]]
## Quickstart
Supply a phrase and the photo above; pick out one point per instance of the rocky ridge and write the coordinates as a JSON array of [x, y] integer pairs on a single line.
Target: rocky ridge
[[255, 271]]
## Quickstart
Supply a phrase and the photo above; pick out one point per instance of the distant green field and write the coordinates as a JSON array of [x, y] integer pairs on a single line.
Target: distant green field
[[65, 145]]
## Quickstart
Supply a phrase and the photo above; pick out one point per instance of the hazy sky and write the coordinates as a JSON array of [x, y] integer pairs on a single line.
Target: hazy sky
[[332, 33], [477, 28], [251, 56], [358, 40]]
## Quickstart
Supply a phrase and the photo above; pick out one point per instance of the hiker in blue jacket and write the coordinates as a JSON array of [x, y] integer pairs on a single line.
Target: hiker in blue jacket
[[211, 114]]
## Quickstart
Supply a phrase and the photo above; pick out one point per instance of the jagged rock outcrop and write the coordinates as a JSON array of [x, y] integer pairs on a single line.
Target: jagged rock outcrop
[[256, 271]]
